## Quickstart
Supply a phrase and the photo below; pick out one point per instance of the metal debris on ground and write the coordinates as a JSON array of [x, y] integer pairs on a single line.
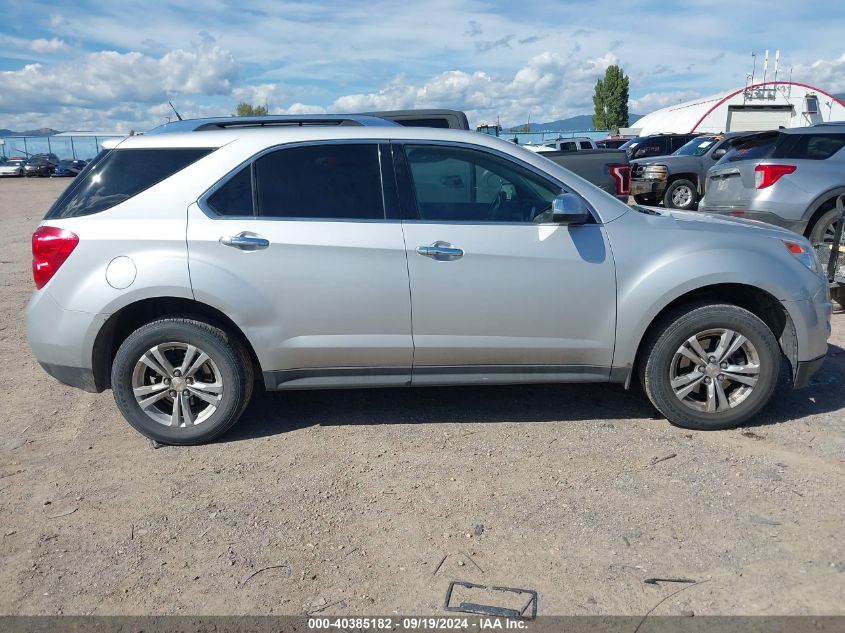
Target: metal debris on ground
[[657, 460], [258, 571], [515, 600], [654, 581]]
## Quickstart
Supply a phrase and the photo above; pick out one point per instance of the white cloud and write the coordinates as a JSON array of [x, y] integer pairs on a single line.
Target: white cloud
[[108, 78], [826, 74], [549, 86], [47, 46], [656, 100]]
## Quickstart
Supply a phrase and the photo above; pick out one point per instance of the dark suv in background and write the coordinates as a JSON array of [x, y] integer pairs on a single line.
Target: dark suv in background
[[655, 145]]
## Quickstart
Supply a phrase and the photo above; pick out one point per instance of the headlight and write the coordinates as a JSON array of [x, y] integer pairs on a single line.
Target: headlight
[[655, 172], [804, 254]]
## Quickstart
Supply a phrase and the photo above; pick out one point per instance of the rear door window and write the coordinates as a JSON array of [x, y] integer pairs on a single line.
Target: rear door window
[[331, 181], [115, 176], [586, 145]]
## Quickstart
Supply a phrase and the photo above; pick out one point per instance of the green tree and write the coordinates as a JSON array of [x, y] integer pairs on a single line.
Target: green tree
[[611, 100], [247, 109]]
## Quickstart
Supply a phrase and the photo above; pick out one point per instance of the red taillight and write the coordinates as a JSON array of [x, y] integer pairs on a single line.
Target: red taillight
[[767, 175], [622, 175], [51, 246]]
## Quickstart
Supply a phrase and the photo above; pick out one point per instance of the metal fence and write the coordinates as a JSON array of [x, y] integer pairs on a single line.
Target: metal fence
[[65, 147]]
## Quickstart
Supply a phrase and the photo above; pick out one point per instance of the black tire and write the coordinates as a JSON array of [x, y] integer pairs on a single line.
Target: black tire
[[838, 295], [682, 324], [646, 199], [676, 187], [225, 352], [822, 226]]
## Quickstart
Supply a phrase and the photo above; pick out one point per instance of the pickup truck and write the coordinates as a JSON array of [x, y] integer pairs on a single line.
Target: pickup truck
[[608, 169], [575, 144], [678, 180]]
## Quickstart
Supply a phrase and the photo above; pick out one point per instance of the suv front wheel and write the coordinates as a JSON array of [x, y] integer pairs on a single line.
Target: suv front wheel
[[681, 194], [181, 381], [711, 366]]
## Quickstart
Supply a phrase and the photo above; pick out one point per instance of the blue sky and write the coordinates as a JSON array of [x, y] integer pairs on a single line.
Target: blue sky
[[113, 65]]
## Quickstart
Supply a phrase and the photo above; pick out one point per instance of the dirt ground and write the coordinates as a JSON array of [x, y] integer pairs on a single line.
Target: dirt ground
[[346, 502]]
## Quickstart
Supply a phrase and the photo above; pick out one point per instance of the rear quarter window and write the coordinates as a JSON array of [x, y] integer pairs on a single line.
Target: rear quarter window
[[811, 146], [117, 175]]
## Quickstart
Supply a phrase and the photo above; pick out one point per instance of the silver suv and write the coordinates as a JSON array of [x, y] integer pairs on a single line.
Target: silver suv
[[180, 268], [791, 178]]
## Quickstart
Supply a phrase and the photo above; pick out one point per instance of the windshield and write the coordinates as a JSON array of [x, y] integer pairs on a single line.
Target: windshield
[[697, 146]]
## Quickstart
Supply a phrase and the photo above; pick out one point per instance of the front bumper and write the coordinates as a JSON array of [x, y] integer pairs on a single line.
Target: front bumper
[[740, 210], [63, 340], [812, 322], [642, 186], [805, 371]]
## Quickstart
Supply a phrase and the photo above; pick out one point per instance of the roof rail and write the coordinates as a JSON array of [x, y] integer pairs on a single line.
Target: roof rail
[[829, 123], [280, 120]]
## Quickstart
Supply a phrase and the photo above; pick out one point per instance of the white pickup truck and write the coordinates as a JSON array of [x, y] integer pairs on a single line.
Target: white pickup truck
[[574, 144]]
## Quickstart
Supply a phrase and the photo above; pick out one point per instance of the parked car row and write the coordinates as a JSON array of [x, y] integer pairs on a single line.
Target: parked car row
[[41, 165]]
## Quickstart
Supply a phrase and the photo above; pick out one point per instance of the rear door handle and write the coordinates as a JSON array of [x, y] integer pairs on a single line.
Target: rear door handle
[[441, 251], [245, 241]]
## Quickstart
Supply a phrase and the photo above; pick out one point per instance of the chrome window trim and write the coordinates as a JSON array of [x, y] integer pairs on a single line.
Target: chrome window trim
[[202, 201]]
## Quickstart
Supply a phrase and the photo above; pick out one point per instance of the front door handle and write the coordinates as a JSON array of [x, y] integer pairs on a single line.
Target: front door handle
[[245, 241], [441, 251]]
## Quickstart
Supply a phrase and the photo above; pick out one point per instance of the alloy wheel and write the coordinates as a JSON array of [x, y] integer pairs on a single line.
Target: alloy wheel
[[682, 196], [714, 370], [177, 384]]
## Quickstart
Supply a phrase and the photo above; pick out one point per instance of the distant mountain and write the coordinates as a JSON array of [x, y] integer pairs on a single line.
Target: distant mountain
[[44, 131], [578, 123], [840, 96]]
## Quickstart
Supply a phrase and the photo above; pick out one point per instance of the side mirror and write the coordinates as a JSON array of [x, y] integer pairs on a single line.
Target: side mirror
[[569, 208], [719, 153]]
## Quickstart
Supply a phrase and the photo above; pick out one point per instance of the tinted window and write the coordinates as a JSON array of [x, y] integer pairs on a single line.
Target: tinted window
[[645, 149], [698, 146], [760, 146], [438, 123], [810, 146], [235, 196], [677, 142], [585, 145], [456, 184], [322, 181], [116, 176]]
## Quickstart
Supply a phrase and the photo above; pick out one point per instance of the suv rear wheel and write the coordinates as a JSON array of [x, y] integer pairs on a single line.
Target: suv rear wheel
[[181, 381], [681, 194], [711, 366], [823, 230]]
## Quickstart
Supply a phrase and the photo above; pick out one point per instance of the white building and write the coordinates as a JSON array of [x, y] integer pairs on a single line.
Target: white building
[[763, 106]]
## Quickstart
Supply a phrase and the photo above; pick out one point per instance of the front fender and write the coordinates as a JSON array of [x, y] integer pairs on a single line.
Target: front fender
[[659, 262]]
